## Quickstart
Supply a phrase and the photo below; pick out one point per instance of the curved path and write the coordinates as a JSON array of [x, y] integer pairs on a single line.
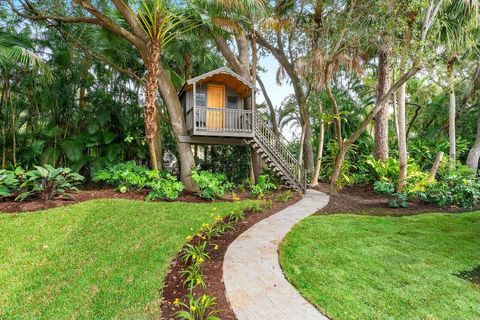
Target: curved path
[[254, 282]]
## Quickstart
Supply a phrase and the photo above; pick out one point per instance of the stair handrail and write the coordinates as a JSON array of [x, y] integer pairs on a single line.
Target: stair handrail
[[280, 149]]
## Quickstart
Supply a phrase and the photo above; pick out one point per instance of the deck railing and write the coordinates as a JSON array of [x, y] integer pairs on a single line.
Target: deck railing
[[278, 146], [246, 124], [220, 120]]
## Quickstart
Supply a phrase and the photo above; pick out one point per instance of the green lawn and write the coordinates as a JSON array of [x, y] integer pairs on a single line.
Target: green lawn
[[365, 267], [102, 259]]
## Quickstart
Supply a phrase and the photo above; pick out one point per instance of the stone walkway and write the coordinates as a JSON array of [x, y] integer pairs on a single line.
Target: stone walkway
[[254, 282]]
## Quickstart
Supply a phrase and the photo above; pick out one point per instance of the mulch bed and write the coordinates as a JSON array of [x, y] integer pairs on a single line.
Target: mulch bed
[[8, 205], [363, 199], [212, 269]]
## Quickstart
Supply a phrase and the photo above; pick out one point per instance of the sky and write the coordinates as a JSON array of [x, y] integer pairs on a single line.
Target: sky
[[275, 92]]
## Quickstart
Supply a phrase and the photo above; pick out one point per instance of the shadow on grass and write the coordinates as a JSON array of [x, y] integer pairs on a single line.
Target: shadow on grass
[[471, 275]]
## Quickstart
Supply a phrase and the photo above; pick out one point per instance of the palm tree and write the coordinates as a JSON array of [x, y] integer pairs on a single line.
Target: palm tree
[[15, 53], [457, 22]]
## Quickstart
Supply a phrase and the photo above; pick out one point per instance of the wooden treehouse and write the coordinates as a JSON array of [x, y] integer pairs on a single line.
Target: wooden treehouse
[[215, 107]]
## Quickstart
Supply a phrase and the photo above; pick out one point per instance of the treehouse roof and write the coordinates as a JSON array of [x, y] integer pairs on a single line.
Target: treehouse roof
[[223, 76]]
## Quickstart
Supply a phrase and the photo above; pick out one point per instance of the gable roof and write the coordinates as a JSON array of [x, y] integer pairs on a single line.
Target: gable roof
[[222, 74]]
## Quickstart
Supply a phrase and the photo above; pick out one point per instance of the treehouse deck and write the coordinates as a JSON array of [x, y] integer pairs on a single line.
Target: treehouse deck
[[219, 108]]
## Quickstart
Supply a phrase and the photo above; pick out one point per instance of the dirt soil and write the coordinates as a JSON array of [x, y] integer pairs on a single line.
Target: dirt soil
[[363, 200], [212, 269], [8, 205]]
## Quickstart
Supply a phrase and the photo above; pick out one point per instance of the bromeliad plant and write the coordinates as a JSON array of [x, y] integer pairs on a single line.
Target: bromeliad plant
[[48, 183]]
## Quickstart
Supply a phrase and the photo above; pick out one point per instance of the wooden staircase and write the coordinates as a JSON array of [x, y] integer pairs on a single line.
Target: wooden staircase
[[274, 152]]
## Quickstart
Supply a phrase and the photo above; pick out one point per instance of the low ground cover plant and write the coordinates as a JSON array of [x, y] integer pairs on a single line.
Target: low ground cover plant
[[131, 177], [166, 187], [211, 185], [264, 184]]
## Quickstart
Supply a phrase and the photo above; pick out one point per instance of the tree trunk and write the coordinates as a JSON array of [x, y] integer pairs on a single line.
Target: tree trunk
[[321, 138], [337, 169], [257, 161], [150, 109], [3, 106], [358, 132], [307, 145], [158, 139], [435, 166], [474, 153], [174, 108], [186, 61], [402, 139], [301, 145], [452, 115], [381, 119], [273, 116]]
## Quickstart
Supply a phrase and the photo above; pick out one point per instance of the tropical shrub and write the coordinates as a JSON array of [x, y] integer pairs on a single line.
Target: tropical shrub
[[384, 187], [126, 176], [398, 200], [48, 182], [8, 182], [264, 184], [166, 187], [459, 188], [384, 171], [211, 185], [131, 177]]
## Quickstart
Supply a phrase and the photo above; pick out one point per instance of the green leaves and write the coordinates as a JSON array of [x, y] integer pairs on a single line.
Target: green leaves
[[45, 182], [264, 184], [73, 149], [211, 185], [13, 50], [130, 176], [8, 182]]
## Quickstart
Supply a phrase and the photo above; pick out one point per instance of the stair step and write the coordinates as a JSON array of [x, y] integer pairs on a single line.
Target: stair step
[[274, 160]]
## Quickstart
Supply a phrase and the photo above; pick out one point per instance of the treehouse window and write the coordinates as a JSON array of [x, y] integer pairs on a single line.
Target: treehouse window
[[232, 102], [201, 99]]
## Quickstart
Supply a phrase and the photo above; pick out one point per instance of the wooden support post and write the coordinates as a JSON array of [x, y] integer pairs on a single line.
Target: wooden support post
[[194, 111]]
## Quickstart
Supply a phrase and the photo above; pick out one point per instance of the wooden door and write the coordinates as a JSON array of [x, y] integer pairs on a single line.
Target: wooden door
[[215, 100]]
